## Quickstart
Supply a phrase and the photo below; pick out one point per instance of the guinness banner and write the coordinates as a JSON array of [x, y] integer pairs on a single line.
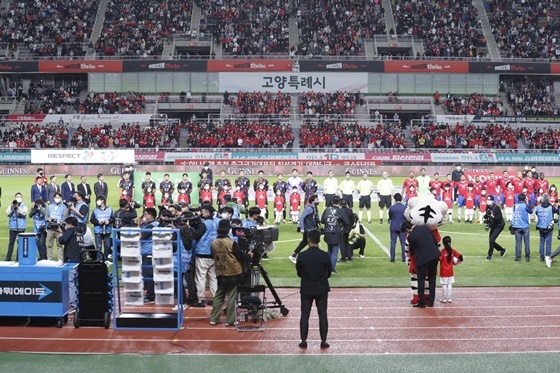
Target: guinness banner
[[158, 65]]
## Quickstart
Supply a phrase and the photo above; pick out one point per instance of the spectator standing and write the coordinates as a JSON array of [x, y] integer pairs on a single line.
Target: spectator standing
[[520, 224], [314, 268], [396, 218], [384, 193]]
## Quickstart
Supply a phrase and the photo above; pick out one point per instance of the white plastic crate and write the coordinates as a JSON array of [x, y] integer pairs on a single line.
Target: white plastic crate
[[162, 250], [131, 276], [130, 235], [130, 263], [134, 286], [163, 263], [130, 249], [164, 287], [163, 275], [134, 298], [165, 299]]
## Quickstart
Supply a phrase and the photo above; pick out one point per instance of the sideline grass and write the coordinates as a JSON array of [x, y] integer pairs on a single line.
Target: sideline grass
[[375, 270]]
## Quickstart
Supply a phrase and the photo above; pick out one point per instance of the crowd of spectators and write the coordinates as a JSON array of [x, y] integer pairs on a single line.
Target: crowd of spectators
[[33, 135], [113, 103], [47, 99], [524, 28], [340, 135], [260, 103], [532, 98], [247, 28], [338, 27], [449, 28], [141, 28], [474, 104], [492, 136], [240, 134], [338, 103], [48, 28], [128, 135]]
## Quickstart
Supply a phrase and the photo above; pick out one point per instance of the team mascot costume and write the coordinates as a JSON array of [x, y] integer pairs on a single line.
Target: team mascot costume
[[428, 211]]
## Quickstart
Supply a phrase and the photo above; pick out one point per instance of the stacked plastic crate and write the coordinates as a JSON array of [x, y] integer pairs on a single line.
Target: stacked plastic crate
[[162, 254], [132, 267]]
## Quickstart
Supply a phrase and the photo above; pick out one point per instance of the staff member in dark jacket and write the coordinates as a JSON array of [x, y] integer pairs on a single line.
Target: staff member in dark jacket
[[72, 238], [308, 221], [314, 268], [423, 247], [396, 218]]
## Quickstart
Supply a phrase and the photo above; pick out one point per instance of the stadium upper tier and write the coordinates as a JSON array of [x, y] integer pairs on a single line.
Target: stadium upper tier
[[366, 29]]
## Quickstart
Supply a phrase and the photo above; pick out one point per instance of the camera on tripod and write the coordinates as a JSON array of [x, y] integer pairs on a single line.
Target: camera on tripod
[[256, 239]]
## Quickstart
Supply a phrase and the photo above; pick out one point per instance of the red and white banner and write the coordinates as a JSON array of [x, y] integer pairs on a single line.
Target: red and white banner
[[98, 66], [85, 119], [140, 156], [249, 65], [271, 162], [399, 157]]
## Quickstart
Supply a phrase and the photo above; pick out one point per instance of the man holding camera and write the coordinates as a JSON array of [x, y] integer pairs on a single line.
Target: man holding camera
[[494, 221], [72, 237], [545, 225], [57, 212], [38, 212], [334, 220], [205, 265], [102, 220], [126, 215], [16, 213], [79, 208]]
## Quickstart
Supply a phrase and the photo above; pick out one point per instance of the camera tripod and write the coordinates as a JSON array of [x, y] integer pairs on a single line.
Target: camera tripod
[[254, 273]]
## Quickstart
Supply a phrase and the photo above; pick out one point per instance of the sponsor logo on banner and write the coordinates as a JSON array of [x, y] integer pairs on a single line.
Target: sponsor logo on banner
[[80, 118], [399, 157], [248, 155], [45, 156], [527, 158], [83, 66], [454, 119], [455, 157], [149, 156], [156, 65], [511, 68], [249, 65], [30, 291], [331, 156], [27, 117], [434, 67], [276, 162], [359, 66], [18, 66], [15, 157], [171, 157]]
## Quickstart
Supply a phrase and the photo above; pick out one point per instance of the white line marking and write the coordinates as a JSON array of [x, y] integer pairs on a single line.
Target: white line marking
[[376, 240]]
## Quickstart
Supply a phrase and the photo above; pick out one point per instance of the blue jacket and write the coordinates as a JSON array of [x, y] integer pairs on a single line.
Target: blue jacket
[[202, 248], [57, 212], [146, 243], [98, 215], [39, 222], [185, 258], [521, 212], [309, 218], [545, 213], [16, 219], [82, 206], [396, 216]]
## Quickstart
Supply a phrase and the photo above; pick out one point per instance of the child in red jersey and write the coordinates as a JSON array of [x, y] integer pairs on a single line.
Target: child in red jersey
[[279, 202], [149, 199], [261, 200], [469, 204], [448, 258], [482, 206], [206, 195], [447, 197], [295, 202], [183, 197]]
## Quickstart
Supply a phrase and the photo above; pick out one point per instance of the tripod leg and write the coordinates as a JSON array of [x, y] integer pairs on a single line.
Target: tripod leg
[[264, 274]]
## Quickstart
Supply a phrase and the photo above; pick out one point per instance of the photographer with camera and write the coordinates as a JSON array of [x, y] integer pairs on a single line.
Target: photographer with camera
[[79, 208], [205, 266], [308, 221], [16, 213], [126, 215], [72, 238], [229, 270], [38, 212], [520, 225], [334, 221], [57, 212], [494, 222], [545, 225], [102, 220]]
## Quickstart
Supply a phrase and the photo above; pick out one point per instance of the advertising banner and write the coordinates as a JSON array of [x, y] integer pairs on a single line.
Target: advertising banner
[[454, 119], [294, 82], [399, 157], [78, 66], [158, 65], [445, 67], [249, 65], [149, 156], [81, 156], [463, 157], [257, 155], [171, 157], [19, 67], [331, 156], [16, 157], [84, 119], [527, 158], [509, 68], [356, 66]]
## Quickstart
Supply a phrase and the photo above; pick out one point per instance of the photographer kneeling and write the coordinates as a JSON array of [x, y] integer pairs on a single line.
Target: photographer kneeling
[[494, 221], [228, 258]]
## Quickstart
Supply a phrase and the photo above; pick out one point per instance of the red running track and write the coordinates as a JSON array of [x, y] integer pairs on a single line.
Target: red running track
[[380, 321]]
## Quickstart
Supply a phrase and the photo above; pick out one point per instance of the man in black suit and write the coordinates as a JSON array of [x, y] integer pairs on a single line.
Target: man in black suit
[[52, 188], [314, 268], [100, 189], [422, 246], [85, 189]]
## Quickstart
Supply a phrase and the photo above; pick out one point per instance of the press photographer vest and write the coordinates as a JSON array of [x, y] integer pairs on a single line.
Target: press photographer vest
[[332, 224], [226, 262]]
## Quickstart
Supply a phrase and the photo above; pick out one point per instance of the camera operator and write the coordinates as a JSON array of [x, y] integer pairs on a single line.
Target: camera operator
[[16, 213], [79, 209], [545, 225], [148, 222], [228, 257], [72, 237], [102, 220], [187, 264], [57, 212], [38, 212], [334, 220], [205, 266], [308, 221], [494, 221], [126, 215], [254, 212]]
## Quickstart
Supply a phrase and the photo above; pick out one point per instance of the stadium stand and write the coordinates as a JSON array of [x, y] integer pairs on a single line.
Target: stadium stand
[[312, 103], [44, 99], [260, 103], [113, 103], [126, 136], [23, 136], [474, 104], [492, 136], [533, 98]]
